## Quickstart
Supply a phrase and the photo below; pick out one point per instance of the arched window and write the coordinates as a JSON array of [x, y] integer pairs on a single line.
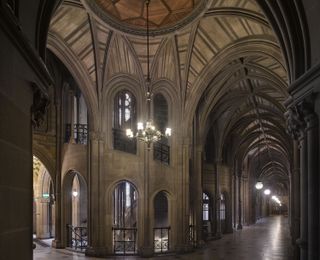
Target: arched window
[[205, 207], [161, 223], [125, 218], [161, 149], [124, 110], [124, 116]]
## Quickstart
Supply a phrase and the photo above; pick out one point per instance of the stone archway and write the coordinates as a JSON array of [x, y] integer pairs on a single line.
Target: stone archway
[[43, 201]]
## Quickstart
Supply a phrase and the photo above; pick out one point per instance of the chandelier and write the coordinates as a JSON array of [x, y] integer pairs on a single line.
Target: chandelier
[[147, 132]]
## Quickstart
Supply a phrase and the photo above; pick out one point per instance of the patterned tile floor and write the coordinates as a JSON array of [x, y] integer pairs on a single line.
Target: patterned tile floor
[[267, 240]]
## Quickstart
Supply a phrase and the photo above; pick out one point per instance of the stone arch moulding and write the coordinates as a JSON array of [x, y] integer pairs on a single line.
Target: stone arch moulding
[[80, 75], [45, 160]]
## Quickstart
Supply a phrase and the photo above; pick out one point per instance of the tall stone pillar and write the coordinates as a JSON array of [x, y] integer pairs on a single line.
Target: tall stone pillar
[[184, 235], [96, 225], [295, 219], [239, 226], [147, 248], [57, 242], [313, 182], [198, 194], [218, 198], [71, 115], [296, 127]]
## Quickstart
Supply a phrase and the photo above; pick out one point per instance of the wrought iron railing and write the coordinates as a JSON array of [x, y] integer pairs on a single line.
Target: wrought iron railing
[[161, 152], [124, 241], [161, 239], [77, 237], [122, 143], [80, 133]]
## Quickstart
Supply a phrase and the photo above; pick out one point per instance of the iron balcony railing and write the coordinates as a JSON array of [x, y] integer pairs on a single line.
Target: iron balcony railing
[[80, 133], [124, 241], [161, 239], [77, 237]]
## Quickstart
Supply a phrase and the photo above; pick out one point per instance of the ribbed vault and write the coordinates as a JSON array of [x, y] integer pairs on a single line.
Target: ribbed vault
[[226, 67]]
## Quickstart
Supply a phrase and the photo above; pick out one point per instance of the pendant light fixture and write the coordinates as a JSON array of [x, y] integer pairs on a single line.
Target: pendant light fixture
[[147, 132]]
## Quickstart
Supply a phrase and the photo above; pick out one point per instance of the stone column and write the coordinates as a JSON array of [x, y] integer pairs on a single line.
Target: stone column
[[295, 220], [71, 115], [198, 195], [234, 199], [296, 128], [313, 182], [239, 226], [96, 226], [218, 198], [57, 242], [184, 236], [147, 248], [43, 218]]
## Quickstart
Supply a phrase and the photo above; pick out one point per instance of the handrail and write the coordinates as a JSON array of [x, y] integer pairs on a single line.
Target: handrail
[[124, 240], [161, 239], [80, 133], [77, 237]]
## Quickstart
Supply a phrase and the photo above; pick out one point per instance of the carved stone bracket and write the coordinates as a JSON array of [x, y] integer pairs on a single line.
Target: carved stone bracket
[[295, 122], [39, 106], [300, 116]]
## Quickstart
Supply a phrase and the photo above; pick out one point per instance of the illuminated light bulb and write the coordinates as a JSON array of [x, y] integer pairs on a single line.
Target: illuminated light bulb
[[74, 193], [267, 192], [168, 132], [129, 133], [140, 126], [259, 185]]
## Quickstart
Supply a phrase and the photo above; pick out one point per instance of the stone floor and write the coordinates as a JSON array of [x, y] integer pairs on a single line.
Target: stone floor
[[267, 240]]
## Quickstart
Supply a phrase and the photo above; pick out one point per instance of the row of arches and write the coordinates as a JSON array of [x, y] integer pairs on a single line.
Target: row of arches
[[125, 200]]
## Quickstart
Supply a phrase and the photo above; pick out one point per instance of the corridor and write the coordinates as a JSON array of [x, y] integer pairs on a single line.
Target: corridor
[[267, 240]]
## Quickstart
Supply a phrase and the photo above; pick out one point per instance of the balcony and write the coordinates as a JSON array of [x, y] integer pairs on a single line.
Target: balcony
[[80, 133]]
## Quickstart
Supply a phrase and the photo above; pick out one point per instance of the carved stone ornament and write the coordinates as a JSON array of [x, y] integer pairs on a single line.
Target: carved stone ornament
[[39, 107], [295, 122]]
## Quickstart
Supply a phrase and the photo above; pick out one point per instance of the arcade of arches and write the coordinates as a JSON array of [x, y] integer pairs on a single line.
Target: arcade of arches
[[236, 80]]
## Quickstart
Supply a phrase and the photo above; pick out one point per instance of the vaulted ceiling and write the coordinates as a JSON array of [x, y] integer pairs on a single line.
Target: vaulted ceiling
[[225, 63]]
